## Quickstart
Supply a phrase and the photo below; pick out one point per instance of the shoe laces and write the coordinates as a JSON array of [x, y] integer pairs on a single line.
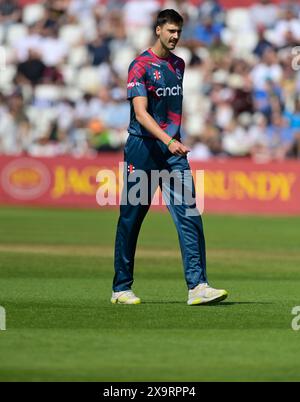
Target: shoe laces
[[128, 293], [200, 287]]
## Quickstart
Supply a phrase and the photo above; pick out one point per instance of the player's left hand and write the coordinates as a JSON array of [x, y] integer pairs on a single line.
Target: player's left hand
[[176, 148]]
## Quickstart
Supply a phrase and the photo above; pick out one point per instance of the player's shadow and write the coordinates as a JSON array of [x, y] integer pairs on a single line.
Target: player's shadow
[[214, 304], [227, 304]]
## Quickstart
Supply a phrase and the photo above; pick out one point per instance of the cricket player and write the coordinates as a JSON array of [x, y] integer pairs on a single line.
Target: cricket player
[[154, 144]]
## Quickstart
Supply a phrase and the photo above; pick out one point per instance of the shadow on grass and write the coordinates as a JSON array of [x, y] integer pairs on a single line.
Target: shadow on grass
[[214, 304], [224, 304]]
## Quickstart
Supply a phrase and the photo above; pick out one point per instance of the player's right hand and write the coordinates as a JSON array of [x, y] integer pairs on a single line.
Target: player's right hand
[[176, 148]]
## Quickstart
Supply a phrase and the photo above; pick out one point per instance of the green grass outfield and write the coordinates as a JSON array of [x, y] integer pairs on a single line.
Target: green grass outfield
[[56, 269]]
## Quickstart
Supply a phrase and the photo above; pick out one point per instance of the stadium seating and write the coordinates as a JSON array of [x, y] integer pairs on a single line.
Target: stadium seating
[[80, 67]]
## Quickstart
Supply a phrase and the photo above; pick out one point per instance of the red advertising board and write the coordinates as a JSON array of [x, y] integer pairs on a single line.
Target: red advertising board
[[230, 186]]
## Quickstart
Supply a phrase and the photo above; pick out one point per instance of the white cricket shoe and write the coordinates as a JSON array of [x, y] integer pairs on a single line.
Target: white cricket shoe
[[125, 297], [203, 294]]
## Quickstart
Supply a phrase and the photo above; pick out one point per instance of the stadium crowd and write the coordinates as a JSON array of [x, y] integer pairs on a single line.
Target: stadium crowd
[[64, 63]]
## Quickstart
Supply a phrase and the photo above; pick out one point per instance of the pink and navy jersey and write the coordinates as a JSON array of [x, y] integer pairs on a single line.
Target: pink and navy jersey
[[160, 80]]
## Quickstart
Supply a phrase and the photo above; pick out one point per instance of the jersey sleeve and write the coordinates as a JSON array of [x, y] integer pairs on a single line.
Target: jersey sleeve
[[136, 84]]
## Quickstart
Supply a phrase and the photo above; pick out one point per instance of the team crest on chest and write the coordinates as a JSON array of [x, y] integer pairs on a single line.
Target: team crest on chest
[[157, 75], [131, 168]]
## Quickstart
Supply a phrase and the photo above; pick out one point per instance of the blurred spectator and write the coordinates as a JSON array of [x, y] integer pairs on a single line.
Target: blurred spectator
[[32, 41], [212, 9], [280, 137], [200, 150], [207, 144], [294, 117], [53, 49], [14, 127], [236, 141], [10, 12], [257, 131], [99, 49], [291, 5], [139, 13], [207, 33], [287, 30], [264, 12], [294, 123], [295, 148], [32, 70], [82, 9], [263, 44], [268, 99], [221, 96], [267, 69], [242, 99]]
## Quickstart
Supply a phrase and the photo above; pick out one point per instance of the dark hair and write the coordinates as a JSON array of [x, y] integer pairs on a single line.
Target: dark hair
[[168, 16]]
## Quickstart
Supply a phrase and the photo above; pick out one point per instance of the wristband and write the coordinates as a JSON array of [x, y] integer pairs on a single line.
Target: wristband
[[171, 142]]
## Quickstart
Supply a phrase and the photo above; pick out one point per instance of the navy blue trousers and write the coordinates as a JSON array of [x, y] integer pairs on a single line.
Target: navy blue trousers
[[148, 155]]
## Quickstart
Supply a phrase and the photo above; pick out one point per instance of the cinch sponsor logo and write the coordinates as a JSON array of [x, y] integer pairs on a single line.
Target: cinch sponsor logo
[[25, 179], [168, 91]]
